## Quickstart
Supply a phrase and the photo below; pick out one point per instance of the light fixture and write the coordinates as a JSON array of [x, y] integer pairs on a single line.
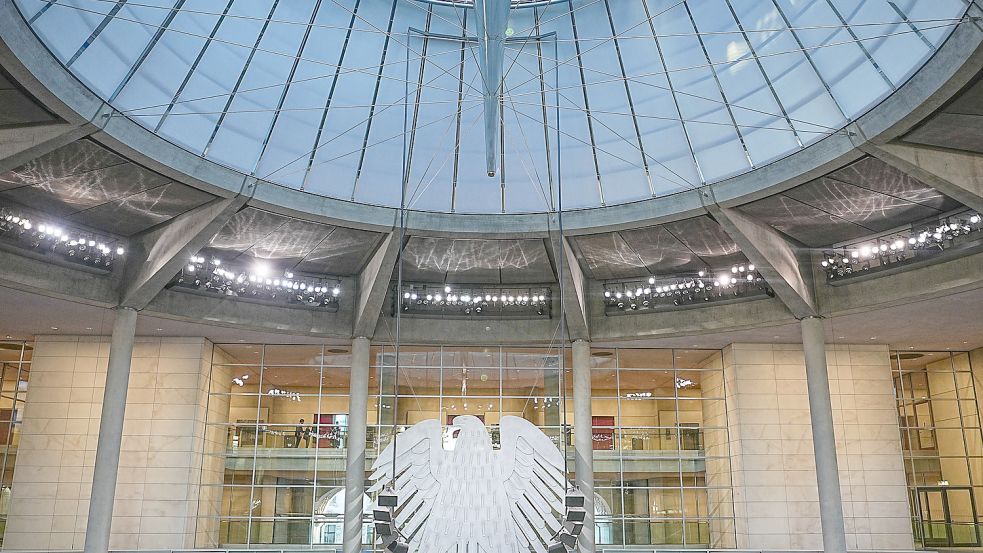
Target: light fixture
[[680, 290], [488, 301], [212, 276], [25, 230], [895, 248]]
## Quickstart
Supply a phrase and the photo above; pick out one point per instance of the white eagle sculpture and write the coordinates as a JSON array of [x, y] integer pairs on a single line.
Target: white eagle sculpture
[[473, 498]]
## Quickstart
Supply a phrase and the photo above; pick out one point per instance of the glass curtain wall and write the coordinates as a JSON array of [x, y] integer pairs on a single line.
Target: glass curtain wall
[[15, 364], [943, 446], [279, 415], [661, 465]]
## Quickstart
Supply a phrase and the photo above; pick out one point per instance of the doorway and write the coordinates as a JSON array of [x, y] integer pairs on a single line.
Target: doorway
[[948, 516]]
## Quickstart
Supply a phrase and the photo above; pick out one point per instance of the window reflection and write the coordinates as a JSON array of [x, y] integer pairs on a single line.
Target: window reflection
[[940, 438], [661, 463], [15, 370]]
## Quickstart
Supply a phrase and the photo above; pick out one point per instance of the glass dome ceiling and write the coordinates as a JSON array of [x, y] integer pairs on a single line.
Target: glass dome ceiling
[[610, 101]]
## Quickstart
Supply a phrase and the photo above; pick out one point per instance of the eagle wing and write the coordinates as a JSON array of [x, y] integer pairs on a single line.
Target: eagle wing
[[533, 477], [416, 476]]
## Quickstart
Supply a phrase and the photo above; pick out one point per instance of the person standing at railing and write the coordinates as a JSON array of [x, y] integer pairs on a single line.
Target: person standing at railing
[[300, 431]]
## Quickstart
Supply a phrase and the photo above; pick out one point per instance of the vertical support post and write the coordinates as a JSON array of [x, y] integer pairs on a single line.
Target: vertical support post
[[583, 438], [823, 439], [103, 494], [358, 403]]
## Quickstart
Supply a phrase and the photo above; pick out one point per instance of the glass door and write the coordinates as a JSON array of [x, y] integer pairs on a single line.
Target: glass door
[[948, 517]]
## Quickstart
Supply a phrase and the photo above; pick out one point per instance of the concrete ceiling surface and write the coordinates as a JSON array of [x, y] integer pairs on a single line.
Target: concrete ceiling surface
[[686, 246], [294, 244], [431, 259], [864, 198], [16, 107], [959, 125], [87, 184]]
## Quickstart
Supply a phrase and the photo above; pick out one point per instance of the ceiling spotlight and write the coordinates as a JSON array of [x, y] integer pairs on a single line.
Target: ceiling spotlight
[[651, 280], [335, 291], [261, 269], [447, 289]]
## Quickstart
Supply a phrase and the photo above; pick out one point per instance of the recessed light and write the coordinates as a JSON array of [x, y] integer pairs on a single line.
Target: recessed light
[[841, 337], [88, 328], [160, 330], [873, 337], [54, 328], [9, 337]]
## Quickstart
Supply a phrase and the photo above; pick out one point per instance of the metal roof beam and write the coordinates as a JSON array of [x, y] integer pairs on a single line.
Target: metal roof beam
[[373, 285], [955, 173], [783, 265], [157, 254], [491, 22]]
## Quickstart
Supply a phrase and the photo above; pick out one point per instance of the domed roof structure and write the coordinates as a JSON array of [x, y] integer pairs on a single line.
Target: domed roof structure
[[382, 102]]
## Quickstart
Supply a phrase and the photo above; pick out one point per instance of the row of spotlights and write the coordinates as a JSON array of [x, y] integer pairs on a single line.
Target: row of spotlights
[[705, 286], [75, 245], [257, 277], [428, 298], [899, 247], [209, 274], [467, 298]]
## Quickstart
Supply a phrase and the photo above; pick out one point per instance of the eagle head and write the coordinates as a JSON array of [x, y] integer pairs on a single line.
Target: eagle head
[[473, 432]]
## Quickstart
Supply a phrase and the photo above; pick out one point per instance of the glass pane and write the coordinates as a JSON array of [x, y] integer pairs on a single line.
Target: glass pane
[[645, 359]]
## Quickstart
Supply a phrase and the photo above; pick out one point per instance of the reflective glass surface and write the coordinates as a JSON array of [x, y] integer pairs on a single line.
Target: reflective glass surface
[[937, 394], [611, 101], [276, 434], [15, 370]]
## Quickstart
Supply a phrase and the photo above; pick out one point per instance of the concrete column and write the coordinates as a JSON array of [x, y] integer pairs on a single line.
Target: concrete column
[[823, 439], [583, 438], [103, 494], [358, 404]]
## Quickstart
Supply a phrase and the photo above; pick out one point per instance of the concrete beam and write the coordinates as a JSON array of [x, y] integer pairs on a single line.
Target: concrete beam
[[955, 173], [231, 312], [159, 253], [781, 263], [39, 274], [575, 287], [22, 144], [373, 284]]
